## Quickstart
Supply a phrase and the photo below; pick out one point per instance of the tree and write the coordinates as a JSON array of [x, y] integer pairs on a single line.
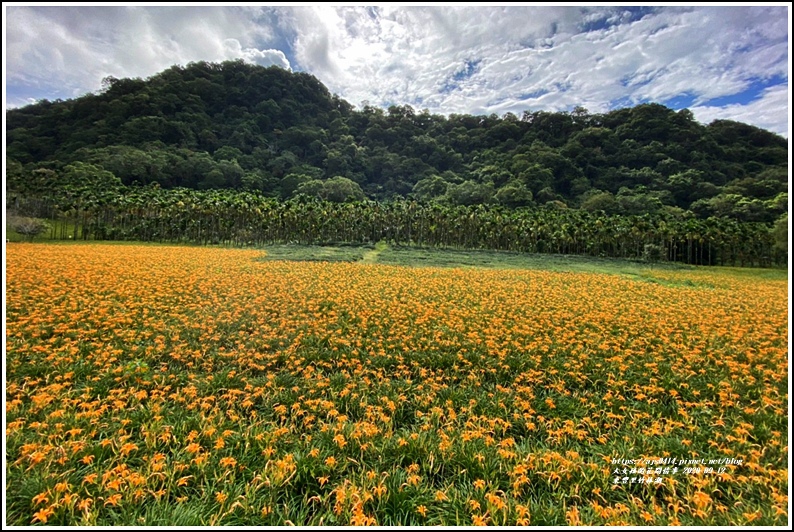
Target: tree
[[259, 180], [682, 184], [88, 183], [15, 175], [780, 232], [337, 189], [28, 227], [430, 188], [313, 187], [262, 124], [637, 201], [514, 194], [470, 193], [496, 175], [291, 182], [341, 189], [652, 253], [601, 201], [547, 194]]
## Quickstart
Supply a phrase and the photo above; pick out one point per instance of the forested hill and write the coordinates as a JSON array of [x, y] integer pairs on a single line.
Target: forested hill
[[235, 125]]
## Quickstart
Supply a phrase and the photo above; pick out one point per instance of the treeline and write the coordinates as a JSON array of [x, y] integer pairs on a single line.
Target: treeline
[[250, 219], [280, 134]]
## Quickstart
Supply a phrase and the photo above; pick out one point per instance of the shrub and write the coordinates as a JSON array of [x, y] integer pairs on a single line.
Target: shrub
[[29, 227], [652, 253]]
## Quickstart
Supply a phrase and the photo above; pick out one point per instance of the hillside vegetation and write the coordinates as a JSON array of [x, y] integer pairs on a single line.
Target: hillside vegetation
[[275, 134]]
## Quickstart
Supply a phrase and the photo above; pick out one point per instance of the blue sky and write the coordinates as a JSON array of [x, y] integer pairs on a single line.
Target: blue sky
[[727, 62]]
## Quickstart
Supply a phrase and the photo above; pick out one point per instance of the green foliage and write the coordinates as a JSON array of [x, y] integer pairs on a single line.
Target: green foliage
[[258, 180], [28, 227], [741, 208], [336, 190], [341, 189], [245, 218], [239, 126], [470, 193], [15, 175], [546, 195], [600, 201], [652, 253], [313, 188], [514, 194], [555, 205], [85, 185], [315, 253], [450, 258], [637, 202], [430, 188], [780, 233], [292, 182]]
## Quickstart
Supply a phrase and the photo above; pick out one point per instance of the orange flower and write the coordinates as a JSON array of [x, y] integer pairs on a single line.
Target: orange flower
[[84, 505], [42, 515], [127, 448], [479, 520], [572, 516], [701, 499], [228, 461], [113, 500], [314, 358], [193, 448]]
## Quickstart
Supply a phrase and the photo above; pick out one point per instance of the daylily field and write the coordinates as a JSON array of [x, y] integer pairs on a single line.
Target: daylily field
[[154, 385]]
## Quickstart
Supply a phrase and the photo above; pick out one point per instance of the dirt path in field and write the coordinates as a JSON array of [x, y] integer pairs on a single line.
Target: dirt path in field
[[371, 257]]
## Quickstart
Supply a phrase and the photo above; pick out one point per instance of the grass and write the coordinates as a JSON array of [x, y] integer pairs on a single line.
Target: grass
[[382, 253], [296, 252], [47, 236]]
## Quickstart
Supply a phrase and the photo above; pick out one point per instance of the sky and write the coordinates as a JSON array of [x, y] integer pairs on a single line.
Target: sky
[[723, 62]]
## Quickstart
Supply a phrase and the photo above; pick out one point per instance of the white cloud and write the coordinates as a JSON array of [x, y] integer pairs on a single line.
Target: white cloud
[[70, 49], [770, 111], [448, 59], [252, 55], [19, 102], [412, 55]]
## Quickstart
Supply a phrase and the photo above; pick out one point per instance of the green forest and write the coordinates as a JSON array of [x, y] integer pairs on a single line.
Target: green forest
[[237, 153]]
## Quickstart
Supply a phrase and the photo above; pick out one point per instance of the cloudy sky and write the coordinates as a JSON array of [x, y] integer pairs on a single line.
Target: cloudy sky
[[720, 62]]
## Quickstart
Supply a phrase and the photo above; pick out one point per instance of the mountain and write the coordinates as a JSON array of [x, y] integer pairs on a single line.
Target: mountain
[[241, 126]]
